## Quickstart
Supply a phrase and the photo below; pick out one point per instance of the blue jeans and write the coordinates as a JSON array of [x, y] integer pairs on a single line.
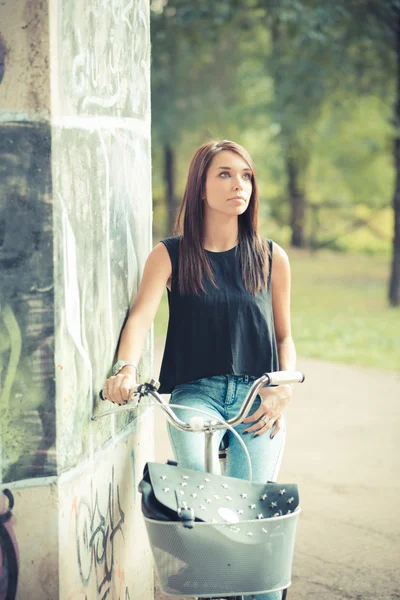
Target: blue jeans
[[222, 396]]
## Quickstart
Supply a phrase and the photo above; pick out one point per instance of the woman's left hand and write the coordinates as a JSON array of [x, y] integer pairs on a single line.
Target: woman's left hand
[[274, 401]]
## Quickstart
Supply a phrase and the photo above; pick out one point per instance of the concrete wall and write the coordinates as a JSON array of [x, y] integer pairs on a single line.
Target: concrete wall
[[102, 191], [103, 543], [75, 229], [29, 541], [25, 60]]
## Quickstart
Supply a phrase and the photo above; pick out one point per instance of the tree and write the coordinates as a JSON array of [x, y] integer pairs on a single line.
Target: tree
[[339, 46], [373, 27], [316, 54], [188, 86]]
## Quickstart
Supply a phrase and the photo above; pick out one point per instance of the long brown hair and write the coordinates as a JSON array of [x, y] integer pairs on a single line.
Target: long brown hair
[[193, 260]]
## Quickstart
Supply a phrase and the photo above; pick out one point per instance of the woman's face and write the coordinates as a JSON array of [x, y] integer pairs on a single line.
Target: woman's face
[[228, 184]]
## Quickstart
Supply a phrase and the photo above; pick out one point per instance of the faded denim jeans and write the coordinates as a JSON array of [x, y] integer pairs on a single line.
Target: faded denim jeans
[[222, 396]]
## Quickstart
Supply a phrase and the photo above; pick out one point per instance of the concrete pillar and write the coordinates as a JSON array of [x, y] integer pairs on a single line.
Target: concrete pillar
[[75, 229]]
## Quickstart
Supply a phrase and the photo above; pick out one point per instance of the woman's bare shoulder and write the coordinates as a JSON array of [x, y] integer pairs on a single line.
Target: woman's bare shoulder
[[159, 257], [279, 254]]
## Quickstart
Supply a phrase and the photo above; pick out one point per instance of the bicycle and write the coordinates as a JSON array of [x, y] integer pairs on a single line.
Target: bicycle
[[280, 528]]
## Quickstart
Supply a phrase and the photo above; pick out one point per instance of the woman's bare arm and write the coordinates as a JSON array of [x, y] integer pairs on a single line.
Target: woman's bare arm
[[274, 400], [281, 309], [156, 274]]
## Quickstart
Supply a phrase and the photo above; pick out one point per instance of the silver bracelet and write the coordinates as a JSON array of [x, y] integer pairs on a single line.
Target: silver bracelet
[[120, 364]]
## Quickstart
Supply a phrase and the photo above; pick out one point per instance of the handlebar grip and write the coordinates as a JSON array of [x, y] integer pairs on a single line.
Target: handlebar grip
[[282, 377]]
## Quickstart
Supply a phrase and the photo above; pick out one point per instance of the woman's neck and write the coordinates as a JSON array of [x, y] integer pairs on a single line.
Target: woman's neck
[[221, 234]]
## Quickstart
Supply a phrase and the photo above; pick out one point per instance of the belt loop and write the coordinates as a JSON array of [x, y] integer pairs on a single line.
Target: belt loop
[[246, 379]]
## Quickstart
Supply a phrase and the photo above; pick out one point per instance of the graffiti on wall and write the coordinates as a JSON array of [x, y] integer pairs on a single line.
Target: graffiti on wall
[[107, 44], [8, 550], [102, 225], [81, 595], [99, 530], [27, 429], [102, 191]]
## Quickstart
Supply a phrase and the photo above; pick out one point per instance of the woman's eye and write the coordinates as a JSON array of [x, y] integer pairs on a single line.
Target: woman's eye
[[246, 176]]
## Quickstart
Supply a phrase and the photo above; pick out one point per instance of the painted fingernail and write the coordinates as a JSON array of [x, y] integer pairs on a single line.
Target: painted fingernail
[[255, 435], [244, 432]]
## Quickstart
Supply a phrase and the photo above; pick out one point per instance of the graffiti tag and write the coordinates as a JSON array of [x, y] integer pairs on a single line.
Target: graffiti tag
[[96, 530]]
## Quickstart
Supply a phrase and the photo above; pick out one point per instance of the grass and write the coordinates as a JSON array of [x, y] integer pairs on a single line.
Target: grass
[[339, 310]]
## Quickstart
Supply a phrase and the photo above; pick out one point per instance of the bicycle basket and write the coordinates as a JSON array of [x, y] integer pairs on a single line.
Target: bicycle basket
[[237, 538], [210, 559]]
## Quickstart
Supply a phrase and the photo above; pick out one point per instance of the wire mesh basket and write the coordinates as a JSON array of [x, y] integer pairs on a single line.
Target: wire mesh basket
[[248, 557]]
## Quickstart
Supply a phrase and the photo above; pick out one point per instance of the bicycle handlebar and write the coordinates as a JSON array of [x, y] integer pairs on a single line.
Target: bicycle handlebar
[[150, 389], [282, 377]]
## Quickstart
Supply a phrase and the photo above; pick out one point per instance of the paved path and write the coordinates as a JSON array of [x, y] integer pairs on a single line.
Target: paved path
[[343, 450]]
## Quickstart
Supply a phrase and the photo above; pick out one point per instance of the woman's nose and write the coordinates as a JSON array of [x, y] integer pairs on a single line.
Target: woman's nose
[[237, 184]]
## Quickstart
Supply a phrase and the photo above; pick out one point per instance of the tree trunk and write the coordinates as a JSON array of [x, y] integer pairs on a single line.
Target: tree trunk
[[394, 285], [297, 203], [169, 177]]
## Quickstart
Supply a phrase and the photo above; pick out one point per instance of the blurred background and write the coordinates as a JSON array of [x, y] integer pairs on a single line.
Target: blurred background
[[312, 90]]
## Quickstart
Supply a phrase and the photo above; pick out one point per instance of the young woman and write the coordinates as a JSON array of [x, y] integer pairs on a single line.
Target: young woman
[[229, 322]]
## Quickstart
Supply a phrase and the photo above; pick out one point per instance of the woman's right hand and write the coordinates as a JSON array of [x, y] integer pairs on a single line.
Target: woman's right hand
[[117, 388]]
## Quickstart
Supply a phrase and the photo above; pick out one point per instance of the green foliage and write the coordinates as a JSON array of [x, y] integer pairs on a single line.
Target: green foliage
[[351, 177], [189, 86], [283, 77]]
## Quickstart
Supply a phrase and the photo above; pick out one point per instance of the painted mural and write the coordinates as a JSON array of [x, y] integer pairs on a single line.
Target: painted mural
[[27, 391]]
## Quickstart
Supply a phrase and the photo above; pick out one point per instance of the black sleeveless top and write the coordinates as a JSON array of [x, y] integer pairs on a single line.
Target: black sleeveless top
[[222, 331]]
